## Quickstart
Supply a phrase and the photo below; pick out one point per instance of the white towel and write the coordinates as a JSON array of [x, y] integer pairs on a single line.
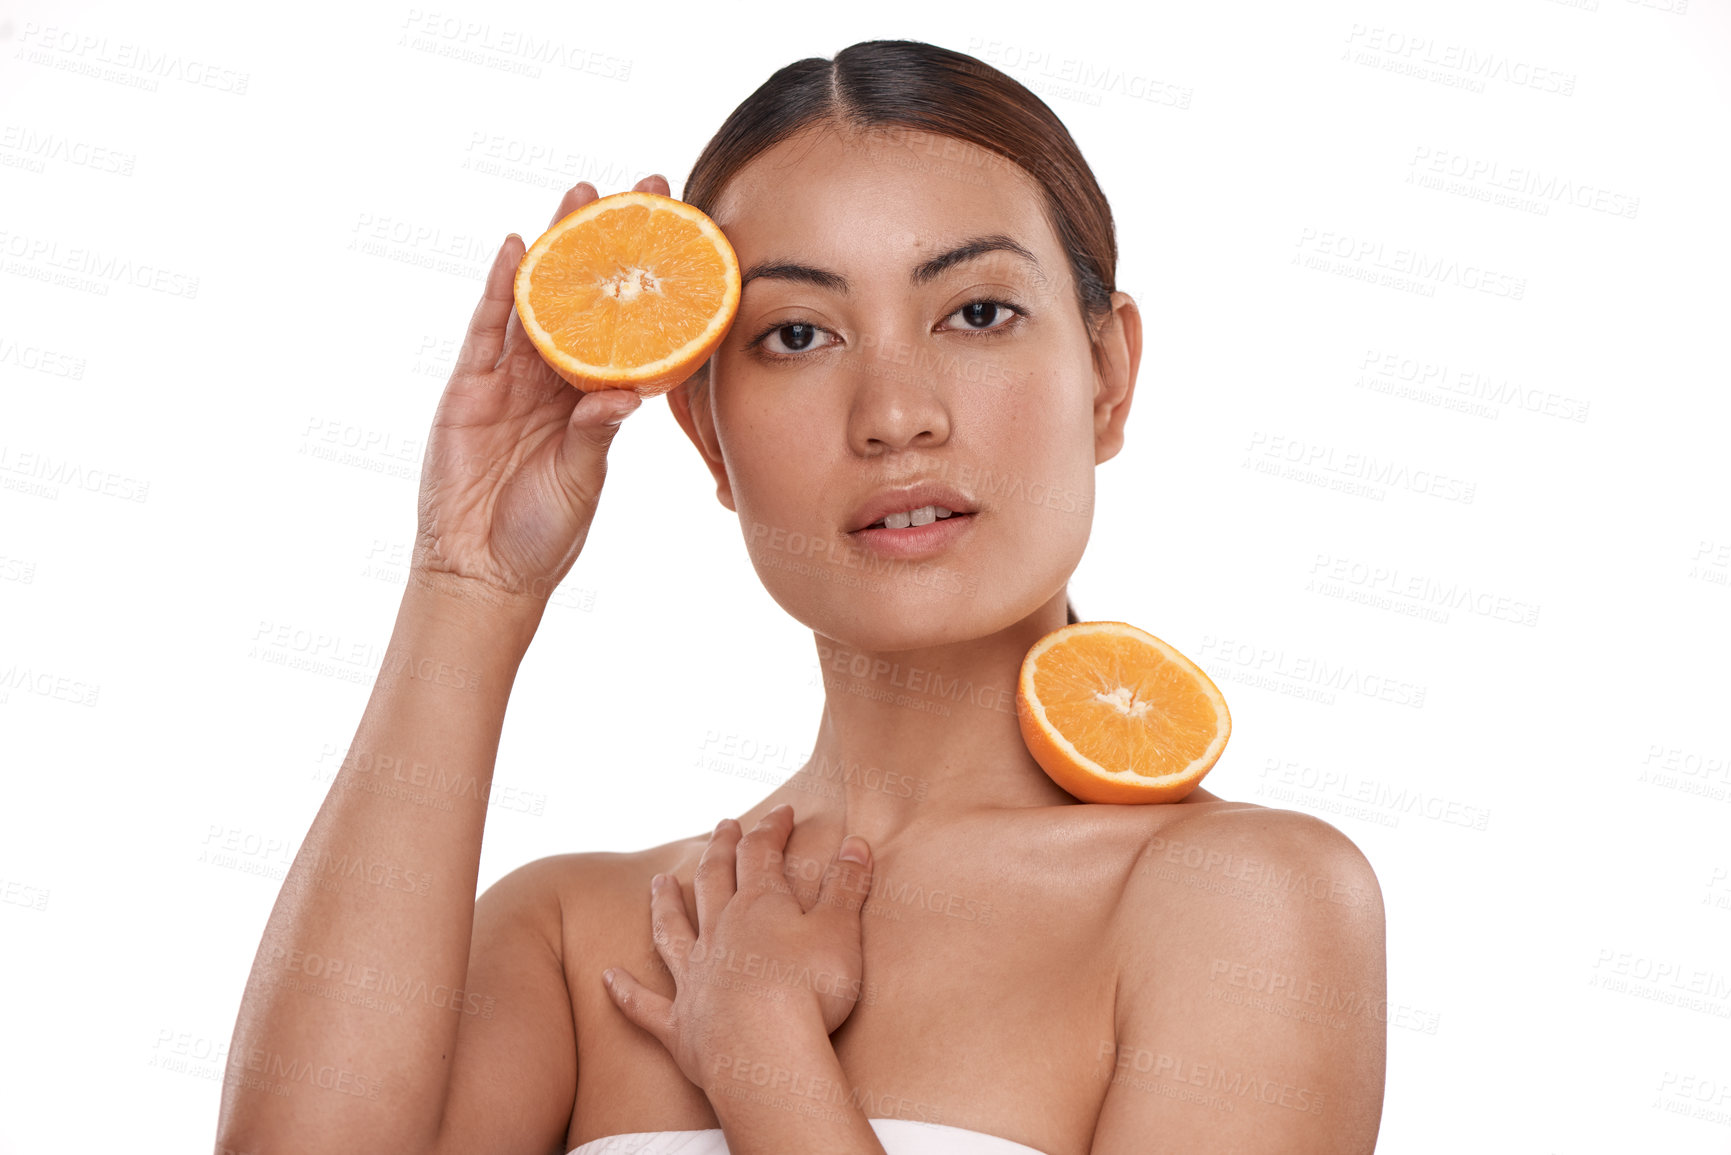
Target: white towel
[[898, 1136]]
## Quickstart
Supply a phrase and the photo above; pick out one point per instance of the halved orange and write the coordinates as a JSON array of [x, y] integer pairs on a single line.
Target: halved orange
[[1113, 714], [631, 291]]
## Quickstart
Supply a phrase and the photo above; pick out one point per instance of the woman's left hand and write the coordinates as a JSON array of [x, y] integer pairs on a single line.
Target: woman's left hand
[[758, 968]]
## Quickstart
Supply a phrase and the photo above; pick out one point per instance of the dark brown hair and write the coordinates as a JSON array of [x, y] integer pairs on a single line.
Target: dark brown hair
[[908, 84]]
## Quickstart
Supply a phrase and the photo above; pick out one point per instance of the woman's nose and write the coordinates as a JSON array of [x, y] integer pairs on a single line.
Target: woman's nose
[[899, 401]]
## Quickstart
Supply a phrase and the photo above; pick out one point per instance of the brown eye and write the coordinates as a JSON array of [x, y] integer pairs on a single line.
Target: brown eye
[[791, 338], [984, 315]]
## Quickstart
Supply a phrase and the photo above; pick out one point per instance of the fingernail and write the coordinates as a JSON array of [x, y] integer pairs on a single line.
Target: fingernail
[[655, 883], [719, 826], [854, 850], [607, 978]]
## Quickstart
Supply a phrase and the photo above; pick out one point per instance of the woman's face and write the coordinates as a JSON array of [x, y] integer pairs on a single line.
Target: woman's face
[[908, 316]]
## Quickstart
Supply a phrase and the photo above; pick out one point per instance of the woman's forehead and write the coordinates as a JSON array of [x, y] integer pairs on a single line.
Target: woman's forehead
[[843, 190]]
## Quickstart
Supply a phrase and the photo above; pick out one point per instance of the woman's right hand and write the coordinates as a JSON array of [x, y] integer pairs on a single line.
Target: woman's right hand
[[516, 456]]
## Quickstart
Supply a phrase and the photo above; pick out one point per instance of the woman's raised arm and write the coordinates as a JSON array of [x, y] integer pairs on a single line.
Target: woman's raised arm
[[348, 1030]]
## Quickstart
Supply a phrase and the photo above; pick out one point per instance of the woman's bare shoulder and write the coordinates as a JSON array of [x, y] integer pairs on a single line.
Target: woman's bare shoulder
[[566, 894], [1218, 849], [591, 879]]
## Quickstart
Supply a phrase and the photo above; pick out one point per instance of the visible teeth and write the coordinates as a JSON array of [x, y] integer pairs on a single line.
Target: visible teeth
[[924, 515]]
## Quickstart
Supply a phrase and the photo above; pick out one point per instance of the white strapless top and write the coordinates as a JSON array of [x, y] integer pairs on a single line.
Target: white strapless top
[[898, 1136]]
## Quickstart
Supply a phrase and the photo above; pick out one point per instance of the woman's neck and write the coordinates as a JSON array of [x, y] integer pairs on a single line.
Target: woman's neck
[[917, 735]]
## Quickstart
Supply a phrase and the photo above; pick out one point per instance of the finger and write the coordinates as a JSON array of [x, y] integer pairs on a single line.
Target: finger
[[714, 879], [486, 335], [762, 852], [580, 462], [575, 198], [669, 926], [654, 183], [645, 1008], [847, 884]]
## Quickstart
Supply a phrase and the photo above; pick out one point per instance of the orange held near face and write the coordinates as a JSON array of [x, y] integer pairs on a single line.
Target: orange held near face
[[631, 291], [1114, 714]]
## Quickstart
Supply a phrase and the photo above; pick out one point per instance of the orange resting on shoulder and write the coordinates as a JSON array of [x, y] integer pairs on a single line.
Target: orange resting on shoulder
[[1114, 714]]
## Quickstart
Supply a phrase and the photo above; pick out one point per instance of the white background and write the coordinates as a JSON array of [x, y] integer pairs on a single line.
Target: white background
[[274, 244]]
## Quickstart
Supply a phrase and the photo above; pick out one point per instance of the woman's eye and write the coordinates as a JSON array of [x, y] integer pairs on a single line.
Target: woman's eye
[[794, 338], [984, 314]]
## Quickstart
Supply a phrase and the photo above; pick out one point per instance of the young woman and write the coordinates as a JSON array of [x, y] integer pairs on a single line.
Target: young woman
[[928, 324]]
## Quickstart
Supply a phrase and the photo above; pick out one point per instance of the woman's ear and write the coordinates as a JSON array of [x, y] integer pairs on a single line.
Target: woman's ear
[[689, 401], [1117, 352]]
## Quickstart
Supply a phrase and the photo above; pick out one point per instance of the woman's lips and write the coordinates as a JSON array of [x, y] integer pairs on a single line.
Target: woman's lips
[[916, 541]]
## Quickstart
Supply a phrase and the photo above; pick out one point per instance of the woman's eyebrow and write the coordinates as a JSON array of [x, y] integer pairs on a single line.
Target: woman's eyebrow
[[923, 272], [968, 250]]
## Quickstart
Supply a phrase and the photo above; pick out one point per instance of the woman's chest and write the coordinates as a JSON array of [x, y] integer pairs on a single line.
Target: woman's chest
[[986, 1002]]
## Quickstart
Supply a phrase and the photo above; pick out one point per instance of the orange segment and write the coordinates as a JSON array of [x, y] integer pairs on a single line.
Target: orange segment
[[631, 291], [1113, 714]]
